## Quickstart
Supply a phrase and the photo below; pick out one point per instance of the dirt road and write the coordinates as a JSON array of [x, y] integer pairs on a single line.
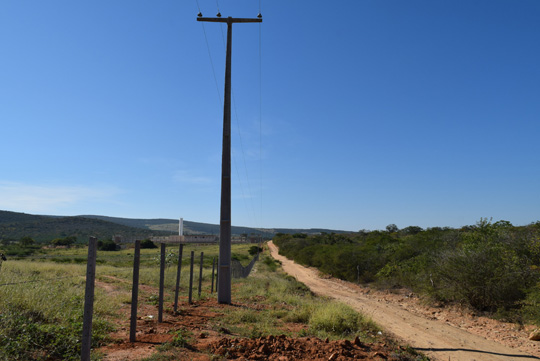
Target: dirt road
[[437, 339]]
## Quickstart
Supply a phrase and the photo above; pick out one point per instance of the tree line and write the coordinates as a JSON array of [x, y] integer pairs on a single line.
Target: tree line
[[27, 246], [490, 266]]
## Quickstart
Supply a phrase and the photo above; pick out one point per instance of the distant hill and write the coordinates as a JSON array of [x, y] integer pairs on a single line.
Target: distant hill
[[171, 226], [193, 228], [14, 226]]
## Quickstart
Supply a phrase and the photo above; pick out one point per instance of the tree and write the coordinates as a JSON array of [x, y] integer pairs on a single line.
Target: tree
[[392, 228], [253, 250], [26, 241], [67, 241], [411, 230]]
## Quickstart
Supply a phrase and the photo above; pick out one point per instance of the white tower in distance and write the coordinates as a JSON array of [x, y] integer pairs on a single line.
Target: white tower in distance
[[181, 227]]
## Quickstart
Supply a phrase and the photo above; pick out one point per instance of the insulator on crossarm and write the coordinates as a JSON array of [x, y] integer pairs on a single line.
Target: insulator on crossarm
[[199, 14], [218, 15], [259, 16]]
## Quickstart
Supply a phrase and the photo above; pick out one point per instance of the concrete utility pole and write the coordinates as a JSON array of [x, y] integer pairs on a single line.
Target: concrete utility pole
[[224, 267]]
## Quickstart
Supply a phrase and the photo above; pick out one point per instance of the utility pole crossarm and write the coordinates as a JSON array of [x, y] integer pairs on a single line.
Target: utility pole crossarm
[[230, 20]]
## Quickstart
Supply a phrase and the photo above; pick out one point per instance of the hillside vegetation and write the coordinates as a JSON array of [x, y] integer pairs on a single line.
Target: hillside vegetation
[[14, 226], [491, 267]]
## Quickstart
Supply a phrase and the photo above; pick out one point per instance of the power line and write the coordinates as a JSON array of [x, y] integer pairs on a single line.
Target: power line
[[250, 193], [212, 65], [251, 206], [260, 123]]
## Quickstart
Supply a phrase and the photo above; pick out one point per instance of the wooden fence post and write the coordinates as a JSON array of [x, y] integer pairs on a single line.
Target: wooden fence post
[[200, 274], [213, 270], [178, 272], [161, 283], [135, 292], [191, 277], [89, 300]]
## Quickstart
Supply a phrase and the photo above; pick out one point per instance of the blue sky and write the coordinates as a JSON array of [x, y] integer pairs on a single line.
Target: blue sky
[[373, 112]]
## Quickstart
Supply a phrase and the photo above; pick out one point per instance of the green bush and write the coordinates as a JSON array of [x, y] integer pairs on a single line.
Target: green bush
[[148, 244], [338, 319], [253, 250], [107, 245], [29, 335], [486, 277], [67, 241], [490, 266], [26, 336]]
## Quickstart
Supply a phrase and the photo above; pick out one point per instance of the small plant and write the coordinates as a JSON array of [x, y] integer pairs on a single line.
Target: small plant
[[153, 300], [170, 258], [181, 338]]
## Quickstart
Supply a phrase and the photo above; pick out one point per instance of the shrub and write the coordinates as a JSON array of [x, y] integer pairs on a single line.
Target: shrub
[[486, 277], [67, 241], [338, 319], [27, 336], [489, 266], [253, 250], [146, 243], [107, 245], [271, 263]]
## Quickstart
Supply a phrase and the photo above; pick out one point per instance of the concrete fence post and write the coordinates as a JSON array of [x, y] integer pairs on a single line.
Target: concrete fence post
[[135, 292], [191, 277], [161, 282], [178, 273], [89, 299], [213, 270], [217, 273], [200, 274]]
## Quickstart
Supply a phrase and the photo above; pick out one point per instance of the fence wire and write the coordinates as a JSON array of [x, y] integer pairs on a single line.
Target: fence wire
[[39, 280], [239, 271]]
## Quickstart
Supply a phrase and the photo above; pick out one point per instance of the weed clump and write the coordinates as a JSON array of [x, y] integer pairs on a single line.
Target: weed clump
[[339, 319]]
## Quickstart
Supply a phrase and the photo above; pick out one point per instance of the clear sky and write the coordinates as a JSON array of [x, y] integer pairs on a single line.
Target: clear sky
[[420, 112]]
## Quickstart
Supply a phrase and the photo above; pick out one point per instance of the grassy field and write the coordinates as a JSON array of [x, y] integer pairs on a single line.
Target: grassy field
[[41, 301]]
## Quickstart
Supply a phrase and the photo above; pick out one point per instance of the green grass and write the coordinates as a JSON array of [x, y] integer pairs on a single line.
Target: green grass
[[41, 319], [269, 299], [42, 295], [333, 318]]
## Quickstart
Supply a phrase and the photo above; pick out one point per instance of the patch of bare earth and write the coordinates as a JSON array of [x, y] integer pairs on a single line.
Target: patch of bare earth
[[209, 342], [283, 348], [507, 333]]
